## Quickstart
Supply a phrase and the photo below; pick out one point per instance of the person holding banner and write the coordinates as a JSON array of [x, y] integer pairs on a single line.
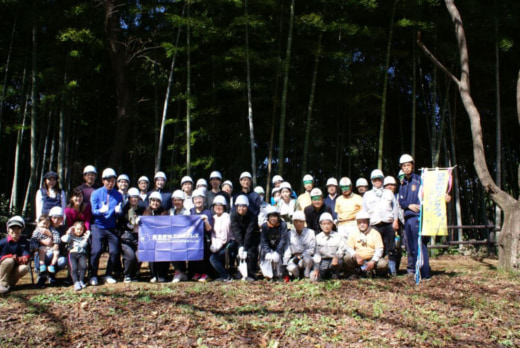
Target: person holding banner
[[411, 205], [179, 208], [244, 225], [106, 205], [158, 270], [223, 246], [200, 269]]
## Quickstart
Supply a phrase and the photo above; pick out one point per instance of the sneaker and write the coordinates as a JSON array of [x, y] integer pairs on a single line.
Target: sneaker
[[83, 285], [128, 280], [153, 280], [3, 289], [77, 286], [43, 268], [203, 278], [52, 269], [250, 279], [110, 280], [179, 276], [94, 281], [196, 277], [228, 280]]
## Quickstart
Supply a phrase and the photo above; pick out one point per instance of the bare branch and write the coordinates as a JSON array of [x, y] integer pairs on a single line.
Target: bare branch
[[434, 59]]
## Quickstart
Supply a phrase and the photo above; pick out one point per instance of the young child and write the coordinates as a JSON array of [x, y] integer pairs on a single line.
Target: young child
[[77, 239], [48, 241]]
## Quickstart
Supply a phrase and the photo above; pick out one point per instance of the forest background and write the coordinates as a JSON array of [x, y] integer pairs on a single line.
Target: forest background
[[287, 87]]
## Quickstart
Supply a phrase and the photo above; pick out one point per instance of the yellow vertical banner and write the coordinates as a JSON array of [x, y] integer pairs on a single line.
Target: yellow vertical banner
[[435, 184]]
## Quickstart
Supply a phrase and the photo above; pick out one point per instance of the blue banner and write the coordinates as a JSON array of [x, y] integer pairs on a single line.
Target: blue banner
[[171, 238]]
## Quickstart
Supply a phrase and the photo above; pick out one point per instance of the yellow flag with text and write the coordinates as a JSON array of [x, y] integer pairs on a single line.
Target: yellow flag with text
[[435, 184]]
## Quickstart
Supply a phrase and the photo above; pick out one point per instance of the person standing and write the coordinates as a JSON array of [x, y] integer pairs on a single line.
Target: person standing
[[187, 188], [223, 246], [304, 200], [159, 186], [347, 206], [255, 202], [49, 195], [361, 186], [107, 206], [158, 269], [89, 182], [142, 184], [330, 200]]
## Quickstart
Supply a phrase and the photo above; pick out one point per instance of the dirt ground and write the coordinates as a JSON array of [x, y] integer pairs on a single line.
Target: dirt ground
[[468, 303]]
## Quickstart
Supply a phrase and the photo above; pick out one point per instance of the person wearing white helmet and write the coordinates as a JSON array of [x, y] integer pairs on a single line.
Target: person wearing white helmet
[[158, 270], [347, 206], [215, 179], [159, 186], [244, 226], [274, 239], [187, 188], [200, 270], [255, 202], [202, 185], [275, 196], [391, 184], [178, 204], [143, 183], [277, 180], [330, 249], [365, 250], [315, 210], [107, 207], [14, 254], [89, 182], [128, 225], [286, 204], [123, 183], [223, 246], [361, 186], [332, 195], [383, 209], [301, 245], [411, 205], [304, 200], [262, 215], [49, 195]]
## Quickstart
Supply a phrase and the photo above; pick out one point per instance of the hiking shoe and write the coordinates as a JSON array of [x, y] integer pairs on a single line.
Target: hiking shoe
[[52, 269], [203, 278], [179, 276], [83, 285], [153, 280], [94, 281], [43, 268], [77, 286], [109, 280], [128, 280], [196, 277]]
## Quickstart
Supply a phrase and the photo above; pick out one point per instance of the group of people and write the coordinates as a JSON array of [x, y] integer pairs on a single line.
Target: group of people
[[311, 235]]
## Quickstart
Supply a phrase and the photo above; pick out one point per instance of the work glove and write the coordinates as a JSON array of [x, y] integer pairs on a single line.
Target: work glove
[[268, 257], [275, 257], [214, 248], [104, 208], [242, 254], [118, 209]]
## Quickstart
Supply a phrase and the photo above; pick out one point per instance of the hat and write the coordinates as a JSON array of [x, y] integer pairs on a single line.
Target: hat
[[178, 194], [406, 158], [198, 193], [389, 180], [245, 175], [123, 177], [50, 175], [298, 215], [326, 216], [56, 212], [308, 177], [133, 192], [361, 182], [277, 178], [89, 169], [285, 185], [259, 190], [362, 215], [16, 221], [220, 200], [242, 200], [376, 174], [229, 183], [274, 190], [143, 178], [160, 175], [271, 210], [345, 181], [332, 182], [215, 175], [155, 195], [202, 182], [109, 173], [316, 192], [186, 179]]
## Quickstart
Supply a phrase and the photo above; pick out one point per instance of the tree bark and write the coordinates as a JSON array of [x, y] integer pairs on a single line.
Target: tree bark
[[249, 100], [188, 94]]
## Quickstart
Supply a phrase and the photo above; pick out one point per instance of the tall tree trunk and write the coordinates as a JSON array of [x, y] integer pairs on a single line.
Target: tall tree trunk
[[13, 203], [498, 176], [508, 242], [61, 135], [249, 100], [167, 102], [188, 93], [414, 101], [281, 139], [310, 106], [385, 89]]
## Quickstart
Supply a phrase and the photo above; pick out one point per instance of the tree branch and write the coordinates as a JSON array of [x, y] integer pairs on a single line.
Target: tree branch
[[434, 59]]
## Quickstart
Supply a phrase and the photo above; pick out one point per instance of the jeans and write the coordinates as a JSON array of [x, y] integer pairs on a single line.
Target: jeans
[[100, 235], [131, 266], [218, 259]]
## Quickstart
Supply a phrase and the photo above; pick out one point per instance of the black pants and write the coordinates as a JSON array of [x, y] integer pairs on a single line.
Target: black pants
[[388, 235], [131, 266], [78, 266]]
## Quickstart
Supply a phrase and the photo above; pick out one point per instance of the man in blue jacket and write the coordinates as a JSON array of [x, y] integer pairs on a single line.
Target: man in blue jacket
[[106, 204]]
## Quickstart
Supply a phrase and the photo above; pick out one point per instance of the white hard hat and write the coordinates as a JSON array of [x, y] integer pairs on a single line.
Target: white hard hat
[[274, 190], [332, 182], [406, 158], [89, 169], [242, 200], [245, 175], [271, 210], [56, 212], [198, 193], [326, 216], [202, 182], [178, 194], [361, 182], [133, 192], [215, 175], [219, 199], [143, 178], [308, 177], [229, 183], [277, 178], [186, 179], [16, 221], [389, 180], [316, 192], [285, 185], [345, 181], [401, 173], [362, 215], [259, 190], [123, 177], [109, 173], [160, 175], [155, 195], [298, 215], [376, 174]]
